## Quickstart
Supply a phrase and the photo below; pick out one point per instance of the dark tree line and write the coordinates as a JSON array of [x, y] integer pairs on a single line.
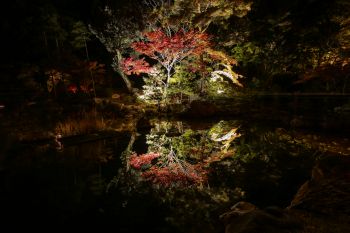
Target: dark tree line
[[279, 45]]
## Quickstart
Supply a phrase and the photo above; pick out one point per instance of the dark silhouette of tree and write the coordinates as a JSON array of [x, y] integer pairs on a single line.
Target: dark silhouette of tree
[[120, 27]]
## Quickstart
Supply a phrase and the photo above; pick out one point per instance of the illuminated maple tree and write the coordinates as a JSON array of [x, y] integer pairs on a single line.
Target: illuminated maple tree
[[168, 50], [177, 15]]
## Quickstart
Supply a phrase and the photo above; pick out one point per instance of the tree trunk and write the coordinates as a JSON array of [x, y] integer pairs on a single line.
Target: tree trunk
[[53, 84], [165, 95], [127, 151], [46, 45], [121, 73], [91, 74]]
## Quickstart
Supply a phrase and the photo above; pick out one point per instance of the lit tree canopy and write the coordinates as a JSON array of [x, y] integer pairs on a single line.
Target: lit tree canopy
[[198, 14], [167, 50], [170, 50], [187, 15]]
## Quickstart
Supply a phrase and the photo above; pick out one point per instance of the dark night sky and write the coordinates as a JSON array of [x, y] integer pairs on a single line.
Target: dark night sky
[[19, 21]]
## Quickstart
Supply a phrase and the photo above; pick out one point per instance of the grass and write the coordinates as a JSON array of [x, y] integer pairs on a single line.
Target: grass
[[83, 123]]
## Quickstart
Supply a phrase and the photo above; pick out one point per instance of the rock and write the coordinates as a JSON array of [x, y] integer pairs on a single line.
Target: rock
[[244, 217], [321, 205], [323, 202], [328, 190], [238, 209]]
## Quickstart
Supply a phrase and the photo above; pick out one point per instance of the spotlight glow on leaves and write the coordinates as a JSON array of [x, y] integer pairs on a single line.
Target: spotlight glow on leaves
[[131, 66], [169, 171], [145, 159]]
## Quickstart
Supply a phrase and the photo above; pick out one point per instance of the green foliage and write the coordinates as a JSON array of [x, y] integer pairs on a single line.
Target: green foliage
[[80, 35], [182, 84], [120, 28], [158, 143], [158, 140], [174, 15], [341, 16], [222, 127], [267, 146], [247, 53], [269, 46], [219, 89], [192, 145], [53, 28]]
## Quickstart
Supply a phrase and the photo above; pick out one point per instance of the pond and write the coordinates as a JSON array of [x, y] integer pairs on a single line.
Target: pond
[[166, 175]]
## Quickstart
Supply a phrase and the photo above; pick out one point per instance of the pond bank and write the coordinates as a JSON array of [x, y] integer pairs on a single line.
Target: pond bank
[[321, 205]]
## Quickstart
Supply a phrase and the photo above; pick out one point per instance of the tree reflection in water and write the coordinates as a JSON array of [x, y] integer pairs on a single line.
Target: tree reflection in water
[[198, 171], [187, 172]]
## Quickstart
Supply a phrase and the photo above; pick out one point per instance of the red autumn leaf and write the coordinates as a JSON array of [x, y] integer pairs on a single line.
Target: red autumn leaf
[[131, 66], [168, 174], [138, 161]]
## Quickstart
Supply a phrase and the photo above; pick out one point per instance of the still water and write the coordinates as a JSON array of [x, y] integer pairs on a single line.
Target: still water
[[99, 181]]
